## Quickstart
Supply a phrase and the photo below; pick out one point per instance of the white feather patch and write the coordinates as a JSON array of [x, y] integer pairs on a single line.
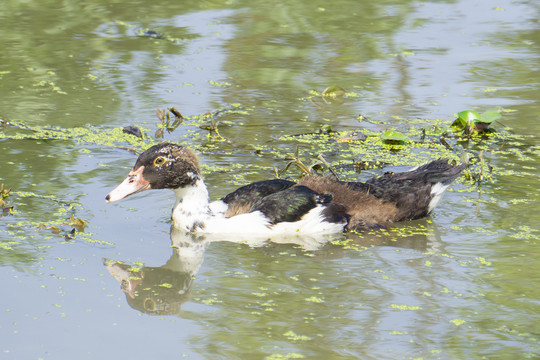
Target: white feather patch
[[437, 192], [311, 223], [192, 212], [250, 223], [256, 223], [218, 207]]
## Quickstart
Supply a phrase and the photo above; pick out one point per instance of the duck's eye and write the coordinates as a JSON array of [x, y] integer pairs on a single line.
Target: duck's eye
[[149, 304], [160, 160]]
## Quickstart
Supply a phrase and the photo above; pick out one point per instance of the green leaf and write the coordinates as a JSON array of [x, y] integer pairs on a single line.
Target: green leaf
[[393, 136], [465, 118], [488, 117], [468, 115]]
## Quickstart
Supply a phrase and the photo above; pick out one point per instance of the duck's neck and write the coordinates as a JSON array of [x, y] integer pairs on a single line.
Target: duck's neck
[[191, 210]]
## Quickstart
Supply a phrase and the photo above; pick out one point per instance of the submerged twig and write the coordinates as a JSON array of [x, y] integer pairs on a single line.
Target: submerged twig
[[307, 170], [166, 124], [320, 157]]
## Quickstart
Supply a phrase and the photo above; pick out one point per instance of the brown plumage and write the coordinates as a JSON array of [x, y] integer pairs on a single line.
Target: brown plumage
[[364, 209], [237, 209]]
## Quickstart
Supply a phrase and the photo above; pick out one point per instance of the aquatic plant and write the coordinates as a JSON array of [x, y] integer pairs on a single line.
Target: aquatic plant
[[470, 121], [394, 137], [313, 169], [5, 206], [321, 151], [166, 124]]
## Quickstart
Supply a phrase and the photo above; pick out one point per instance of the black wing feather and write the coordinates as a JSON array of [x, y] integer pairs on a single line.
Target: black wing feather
[[290, 204], [251, 193]]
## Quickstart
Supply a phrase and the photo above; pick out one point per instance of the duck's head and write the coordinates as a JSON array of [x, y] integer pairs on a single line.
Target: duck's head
[[163, 166]]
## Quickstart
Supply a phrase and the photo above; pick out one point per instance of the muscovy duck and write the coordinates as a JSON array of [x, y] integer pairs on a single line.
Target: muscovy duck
[[313, 205]]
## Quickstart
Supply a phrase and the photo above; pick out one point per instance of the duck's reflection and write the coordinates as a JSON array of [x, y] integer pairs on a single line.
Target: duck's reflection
[[162, 290]]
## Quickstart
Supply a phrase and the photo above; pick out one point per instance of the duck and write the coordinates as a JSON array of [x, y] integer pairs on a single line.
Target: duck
[[312, 205]]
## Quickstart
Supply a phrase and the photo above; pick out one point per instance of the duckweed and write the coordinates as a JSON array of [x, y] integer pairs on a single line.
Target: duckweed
[[423, 140], [314, 299], [458, 322], [291, 335], [405, 307], [284, 356]]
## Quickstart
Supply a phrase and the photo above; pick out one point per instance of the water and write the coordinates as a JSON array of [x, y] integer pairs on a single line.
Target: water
[[461, 284]]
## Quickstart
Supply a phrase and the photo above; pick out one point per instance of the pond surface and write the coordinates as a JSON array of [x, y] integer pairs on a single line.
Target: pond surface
[[461, 284]]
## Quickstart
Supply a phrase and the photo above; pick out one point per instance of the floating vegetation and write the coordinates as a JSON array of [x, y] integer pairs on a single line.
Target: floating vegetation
[[62, 221], [353, 136], [394, 137], [151, 33], [405, 307], [458, 322], [284, 356], [313, 169], [212, 128], [116, 137], [5, 205], [291, 335], [333, 91], [166, 123], [323, 151], [481, 172], [331, 94], [470, 121], [314, 299], [219, 84], [51, 85], [133, 130]]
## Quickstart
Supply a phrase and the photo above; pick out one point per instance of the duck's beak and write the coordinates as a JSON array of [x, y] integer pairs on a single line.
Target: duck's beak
[[133, 184]]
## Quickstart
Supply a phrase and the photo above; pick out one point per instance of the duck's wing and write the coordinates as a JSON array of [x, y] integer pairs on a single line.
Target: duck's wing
[[292, 204], [416, 192], [242, 199]]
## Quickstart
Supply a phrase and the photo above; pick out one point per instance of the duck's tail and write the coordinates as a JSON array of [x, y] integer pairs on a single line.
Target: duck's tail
[[416, 192]]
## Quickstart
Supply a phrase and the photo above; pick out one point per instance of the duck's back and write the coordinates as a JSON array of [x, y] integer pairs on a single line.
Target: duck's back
[[416, 192], [389, 198], [365, 210]]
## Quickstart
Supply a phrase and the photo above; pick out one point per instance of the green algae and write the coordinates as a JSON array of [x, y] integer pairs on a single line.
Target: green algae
[[291, 335], [393, 137], [314, 299], [458, 322], [405, 307], [318, 152], [5, 205], [284, 356], [115, 137], [62, 221]]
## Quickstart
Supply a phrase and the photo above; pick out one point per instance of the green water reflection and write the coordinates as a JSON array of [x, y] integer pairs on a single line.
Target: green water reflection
[[461, 284]]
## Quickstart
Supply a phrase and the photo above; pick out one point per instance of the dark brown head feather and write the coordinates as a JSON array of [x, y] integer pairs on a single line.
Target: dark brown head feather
[[180, 166]]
